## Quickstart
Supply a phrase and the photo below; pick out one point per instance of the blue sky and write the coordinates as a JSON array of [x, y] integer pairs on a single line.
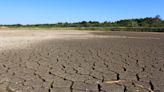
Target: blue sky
[[53, 11]]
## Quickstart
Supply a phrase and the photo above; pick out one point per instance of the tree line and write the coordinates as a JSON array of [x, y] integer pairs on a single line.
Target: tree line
[[148, 23]]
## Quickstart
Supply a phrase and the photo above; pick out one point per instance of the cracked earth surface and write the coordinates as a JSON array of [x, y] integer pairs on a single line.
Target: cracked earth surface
[[81, 61]]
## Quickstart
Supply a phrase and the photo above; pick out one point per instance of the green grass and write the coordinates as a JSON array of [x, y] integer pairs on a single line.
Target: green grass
[[129, 29]]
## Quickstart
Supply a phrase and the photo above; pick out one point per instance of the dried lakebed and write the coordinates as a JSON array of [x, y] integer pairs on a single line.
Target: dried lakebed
[[81, 61]]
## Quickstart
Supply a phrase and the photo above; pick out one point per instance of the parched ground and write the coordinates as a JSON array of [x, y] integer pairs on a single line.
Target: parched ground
[[81, 61]]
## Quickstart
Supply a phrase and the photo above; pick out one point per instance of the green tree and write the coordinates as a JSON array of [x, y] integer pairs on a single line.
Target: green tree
[[134, 24]]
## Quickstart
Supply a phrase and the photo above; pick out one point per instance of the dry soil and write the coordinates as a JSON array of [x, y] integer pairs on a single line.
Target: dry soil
[[81, 61]]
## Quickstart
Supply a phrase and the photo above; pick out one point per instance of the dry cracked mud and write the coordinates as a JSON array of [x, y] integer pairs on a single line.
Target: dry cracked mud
[[81, 61]]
